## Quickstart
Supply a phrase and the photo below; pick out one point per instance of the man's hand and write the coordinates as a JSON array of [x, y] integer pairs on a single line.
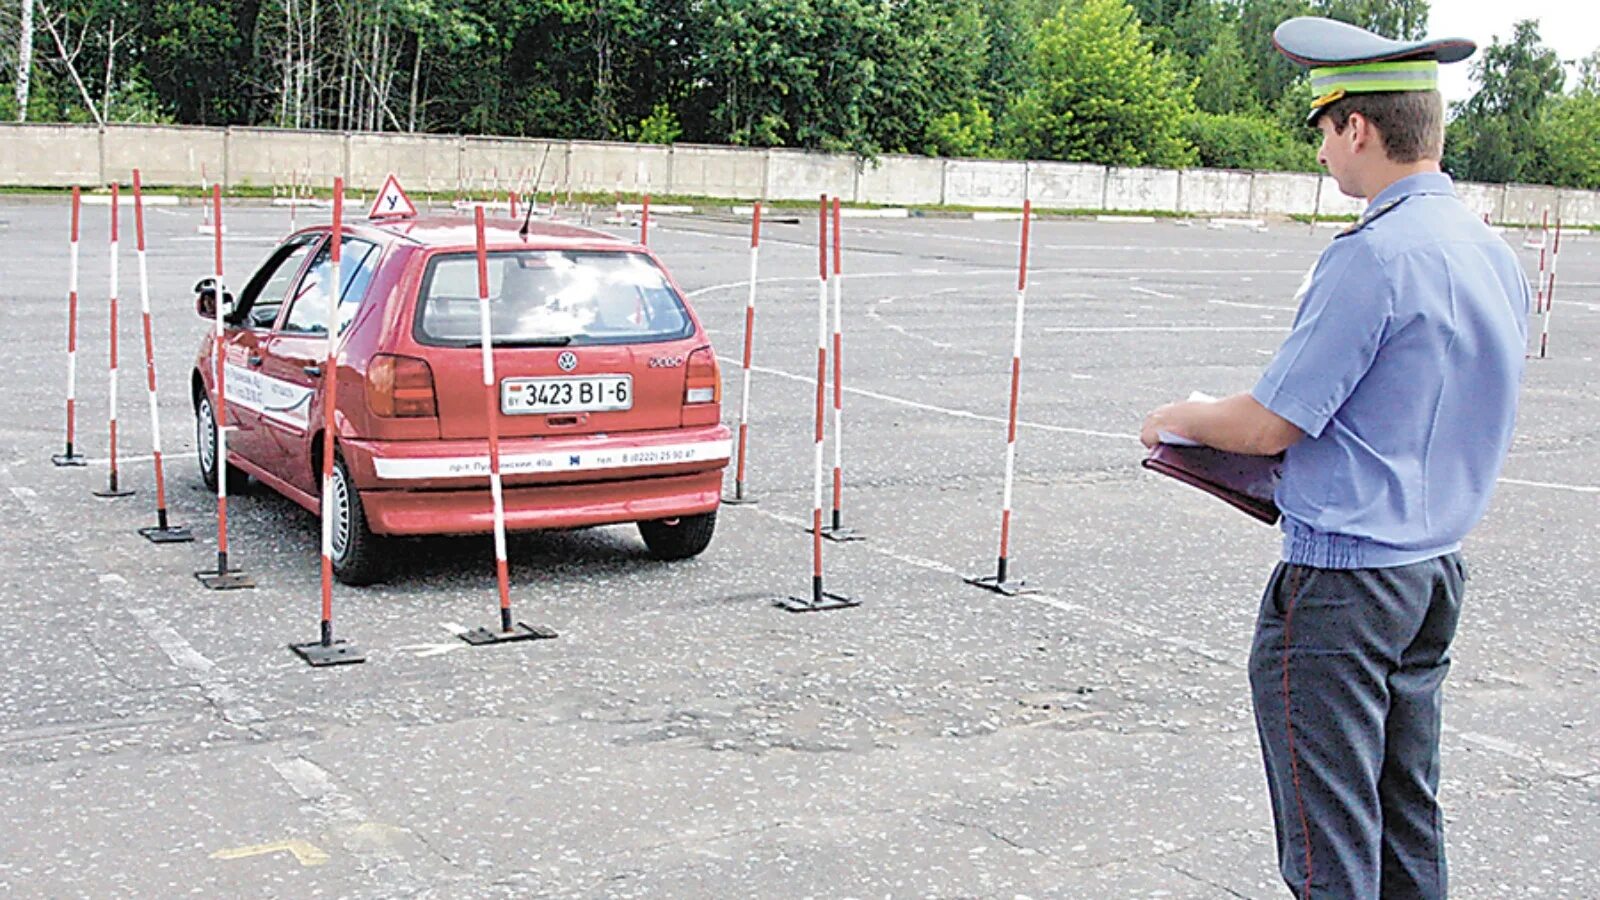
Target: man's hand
[[1163, 418]]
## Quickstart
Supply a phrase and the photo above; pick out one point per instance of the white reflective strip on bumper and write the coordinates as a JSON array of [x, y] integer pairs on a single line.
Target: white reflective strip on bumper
[[576, 460]]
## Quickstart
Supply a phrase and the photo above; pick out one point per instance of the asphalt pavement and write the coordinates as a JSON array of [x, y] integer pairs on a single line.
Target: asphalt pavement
[[684, 738]]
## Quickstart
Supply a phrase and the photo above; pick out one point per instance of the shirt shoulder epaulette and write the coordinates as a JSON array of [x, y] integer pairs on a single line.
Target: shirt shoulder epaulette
[[1372, 215]]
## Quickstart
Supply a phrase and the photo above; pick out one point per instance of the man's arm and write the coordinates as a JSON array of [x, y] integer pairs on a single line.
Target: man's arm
[[1238, 424]]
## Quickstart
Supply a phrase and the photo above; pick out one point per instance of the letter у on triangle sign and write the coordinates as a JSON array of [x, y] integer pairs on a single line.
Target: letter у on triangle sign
[[392, 202]]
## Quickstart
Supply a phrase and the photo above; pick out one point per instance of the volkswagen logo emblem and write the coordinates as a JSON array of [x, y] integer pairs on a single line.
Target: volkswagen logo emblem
[[567, 361]]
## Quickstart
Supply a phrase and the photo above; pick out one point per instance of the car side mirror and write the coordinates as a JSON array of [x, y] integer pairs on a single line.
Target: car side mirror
[[205, 300]]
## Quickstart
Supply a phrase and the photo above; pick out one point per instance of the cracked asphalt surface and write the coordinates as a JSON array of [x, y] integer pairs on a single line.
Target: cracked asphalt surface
[[683, 738]]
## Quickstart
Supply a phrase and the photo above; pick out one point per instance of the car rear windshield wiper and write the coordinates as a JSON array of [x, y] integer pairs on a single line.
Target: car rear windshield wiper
[[559, 340]]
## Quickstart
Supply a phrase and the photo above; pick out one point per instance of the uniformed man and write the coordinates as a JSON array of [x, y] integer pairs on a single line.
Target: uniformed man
[[1393, 399]]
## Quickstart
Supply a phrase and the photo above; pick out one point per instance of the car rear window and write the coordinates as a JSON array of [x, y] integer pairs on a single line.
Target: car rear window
[[551, 297]]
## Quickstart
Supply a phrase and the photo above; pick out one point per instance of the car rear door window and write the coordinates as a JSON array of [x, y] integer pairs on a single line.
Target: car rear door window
[[551, 296], [308, 312]]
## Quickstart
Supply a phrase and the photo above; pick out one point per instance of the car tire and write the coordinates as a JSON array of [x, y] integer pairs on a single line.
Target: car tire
[[688, 537], [359, 556], [205, 442]]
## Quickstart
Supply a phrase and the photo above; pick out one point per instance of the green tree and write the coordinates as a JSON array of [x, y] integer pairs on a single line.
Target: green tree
[[1403, 20], [1223, 77], [1099, 94], [1271, 73], [1494, 133], [1568, 141]]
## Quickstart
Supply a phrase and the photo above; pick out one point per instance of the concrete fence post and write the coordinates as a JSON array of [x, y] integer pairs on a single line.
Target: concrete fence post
[[1027, 180], [100, 150], [346, 140], [1179, 203], [1105, 188], [944, 180], [227, 158], [1250, 198]]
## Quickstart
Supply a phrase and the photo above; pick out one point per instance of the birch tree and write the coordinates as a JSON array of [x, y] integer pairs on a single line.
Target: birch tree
[[24, 60]]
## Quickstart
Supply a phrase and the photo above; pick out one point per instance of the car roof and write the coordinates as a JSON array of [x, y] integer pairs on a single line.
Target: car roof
[[458, 232]]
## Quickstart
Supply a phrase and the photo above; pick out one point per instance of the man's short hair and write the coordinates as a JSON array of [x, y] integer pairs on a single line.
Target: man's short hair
[[1411, 122]]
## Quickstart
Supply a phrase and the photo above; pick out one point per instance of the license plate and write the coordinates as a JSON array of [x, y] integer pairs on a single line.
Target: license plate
[[597, 393]]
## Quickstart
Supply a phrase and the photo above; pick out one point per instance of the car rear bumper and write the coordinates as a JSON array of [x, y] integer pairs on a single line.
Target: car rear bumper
[[545, 506], [441, 487]]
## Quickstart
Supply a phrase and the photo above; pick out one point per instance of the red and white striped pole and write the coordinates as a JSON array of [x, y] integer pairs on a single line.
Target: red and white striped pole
[[1550, 293], [162, 533], [999, 582], [112, 489], [513, 202], [508, 631], [71, 457], [1544, 250], [749, 336], [327, 651], [836, 531], [223, 578], [819, 599], [644, 222]]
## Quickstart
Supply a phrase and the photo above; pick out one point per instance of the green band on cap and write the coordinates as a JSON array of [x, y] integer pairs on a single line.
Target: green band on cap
[[1411, 75]]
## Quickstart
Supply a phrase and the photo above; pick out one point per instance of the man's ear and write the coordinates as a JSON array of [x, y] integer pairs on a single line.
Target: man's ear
[[1362, 134]]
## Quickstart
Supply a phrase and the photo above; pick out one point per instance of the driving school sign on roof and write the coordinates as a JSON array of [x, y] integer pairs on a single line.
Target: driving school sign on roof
[[392, 202]]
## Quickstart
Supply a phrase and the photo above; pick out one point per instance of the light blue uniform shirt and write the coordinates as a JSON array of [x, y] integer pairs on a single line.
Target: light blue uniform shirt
[[1402, 369]]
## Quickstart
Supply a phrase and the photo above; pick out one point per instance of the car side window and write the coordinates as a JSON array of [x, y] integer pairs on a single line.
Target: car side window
[[265, 292], [308, 310]]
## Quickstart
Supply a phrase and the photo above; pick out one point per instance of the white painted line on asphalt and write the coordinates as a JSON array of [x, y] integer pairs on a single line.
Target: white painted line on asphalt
[[1118, 329], [128, 460], [1555, 486], [1253, 305], [196, 666], [928, 407], [1153, 292], [973, 271]]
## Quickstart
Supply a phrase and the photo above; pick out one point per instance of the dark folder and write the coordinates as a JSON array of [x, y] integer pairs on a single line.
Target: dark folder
[[1243, 481]]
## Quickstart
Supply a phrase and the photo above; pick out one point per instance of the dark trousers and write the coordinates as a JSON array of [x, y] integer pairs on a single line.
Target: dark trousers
[[1346, 673]]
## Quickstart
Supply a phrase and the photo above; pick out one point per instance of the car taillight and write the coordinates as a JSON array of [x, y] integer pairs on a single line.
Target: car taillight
[[400, 387], [704, 381]]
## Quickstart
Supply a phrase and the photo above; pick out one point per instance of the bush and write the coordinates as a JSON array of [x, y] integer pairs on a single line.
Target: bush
[[961, 132], [1246, 142], [660, 127]]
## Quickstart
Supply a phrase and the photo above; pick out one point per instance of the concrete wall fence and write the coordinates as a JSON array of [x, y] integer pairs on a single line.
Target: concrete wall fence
[[62, 155]]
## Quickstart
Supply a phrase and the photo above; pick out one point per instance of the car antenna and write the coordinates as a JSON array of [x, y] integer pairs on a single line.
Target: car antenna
[[528, 218]]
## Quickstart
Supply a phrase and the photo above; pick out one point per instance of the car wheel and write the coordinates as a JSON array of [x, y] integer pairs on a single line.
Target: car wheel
[[359, 556], [685, 537], [205, 443]]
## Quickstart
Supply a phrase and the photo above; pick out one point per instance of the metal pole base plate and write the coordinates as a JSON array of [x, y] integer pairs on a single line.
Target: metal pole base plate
[[110, 494], [522, 631], [231, 580], [746, 500], [339, 653], [1009, 588], [840, 535], [62, 459], [174, 534], [810, 604]]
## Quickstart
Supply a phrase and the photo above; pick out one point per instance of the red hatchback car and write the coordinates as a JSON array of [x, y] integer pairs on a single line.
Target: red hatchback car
[[609, 392]]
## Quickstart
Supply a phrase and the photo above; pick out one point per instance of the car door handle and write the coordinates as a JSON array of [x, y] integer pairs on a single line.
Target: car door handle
[[313, 371], [254, 361]]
